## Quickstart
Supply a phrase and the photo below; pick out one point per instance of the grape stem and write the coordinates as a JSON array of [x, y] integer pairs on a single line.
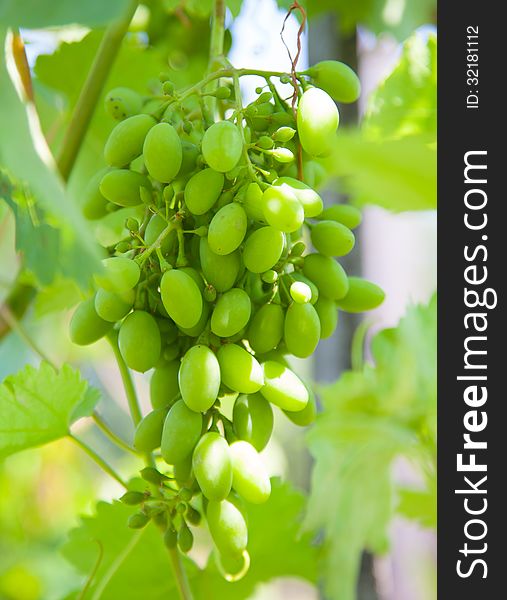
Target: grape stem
[[173, 224], [92, 88], [97, 419], [98, 459], [180, 574]]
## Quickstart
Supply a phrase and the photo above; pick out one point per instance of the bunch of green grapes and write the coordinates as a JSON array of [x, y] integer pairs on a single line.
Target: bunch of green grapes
[[232, 269]]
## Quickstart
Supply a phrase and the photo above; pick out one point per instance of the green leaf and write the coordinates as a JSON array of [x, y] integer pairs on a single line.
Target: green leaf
[[60, 295], [276, 546], [419, 505], [38, 406], [34, 14], [405, 104], [370, 417]]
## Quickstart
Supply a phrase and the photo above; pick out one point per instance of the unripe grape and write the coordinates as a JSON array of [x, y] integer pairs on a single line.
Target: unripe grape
[[193, 516], [265, 142], [228, 527], [155, 226], [164, 384], [282, 210], [282, 155], [132, 498], [113, 307], [211, 462], [253, 419], [190, 152], [223, 92], [139, 341], [284, 134], [138, 520], [123, 187], [263, 249], [86, 327], [300, 292], [94, 204], [239, 370], [337, 79], [199, 378], [125, 143], [362, 295], [231, 313], [305, 417], [249, 476], [185, 538], [203, 190], [301, 329], [346, 214], [283, 387], [220, 271], [232, 567], [317, 119], [227, 229], [269, 276], [181, 297], [222, 146], [327, 274], [297, 276], [332, 239], [201, 325], [120, 274], [180, 434], [171, 537], [122, 102], [328, 316], [149, 430], [310, 201], [252, 203], [162, 152], [266, 328]]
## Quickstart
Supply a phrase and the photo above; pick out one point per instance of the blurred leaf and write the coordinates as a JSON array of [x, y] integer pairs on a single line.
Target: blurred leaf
[[38, 406], [60, 295], [34, 14], [27, 159], [369, 418], [405, 104], [398, 175], [419, 505], [276, 547]]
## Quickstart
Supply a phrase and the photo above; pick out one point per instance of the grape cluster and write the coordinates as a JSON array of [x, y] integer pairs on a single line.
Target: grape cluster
[[218, 285]]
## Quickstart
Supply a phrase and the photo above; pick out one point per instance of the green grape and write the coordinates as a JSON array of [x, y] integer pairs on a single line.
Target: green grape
[[263, 249], [252, 203], [203, 190], [201, 325], [162, 152], [113, 307], [180, 434], [171, 537], [304, 417], [346, 214], [296, 276], [282, 210], [220, 271], [314, 173], [199, 378], [122, 187], [363, 295], [94, 204], [139, 341], [259, 120], [138, 520], [327, 274], [328, 316], [149, 431], [182, 470], [211, 462], [252, 417], [190, 152], [337, 79], [125, 142], [266, 328], [132, 498], [232, 567], [311, 201], [86, 327], [227, 229], [317, 119], [284, 134], [228, 527], [155, 226], [332, 239], [185, 539], [164, 384], [282, 155], [301, 329], [300, 292], [181, 298], [282, 387], [240, 371], [122, 102], [249, 476], [222, 146], [231, 313], [120, 274]]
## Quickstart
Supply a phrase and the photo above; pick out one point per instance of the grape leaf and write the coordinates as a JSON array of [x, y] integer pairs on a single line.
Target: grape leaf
[[33, 14], [60, 295], [406, 102], [37, 406], [369, 418], [419, 505]]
